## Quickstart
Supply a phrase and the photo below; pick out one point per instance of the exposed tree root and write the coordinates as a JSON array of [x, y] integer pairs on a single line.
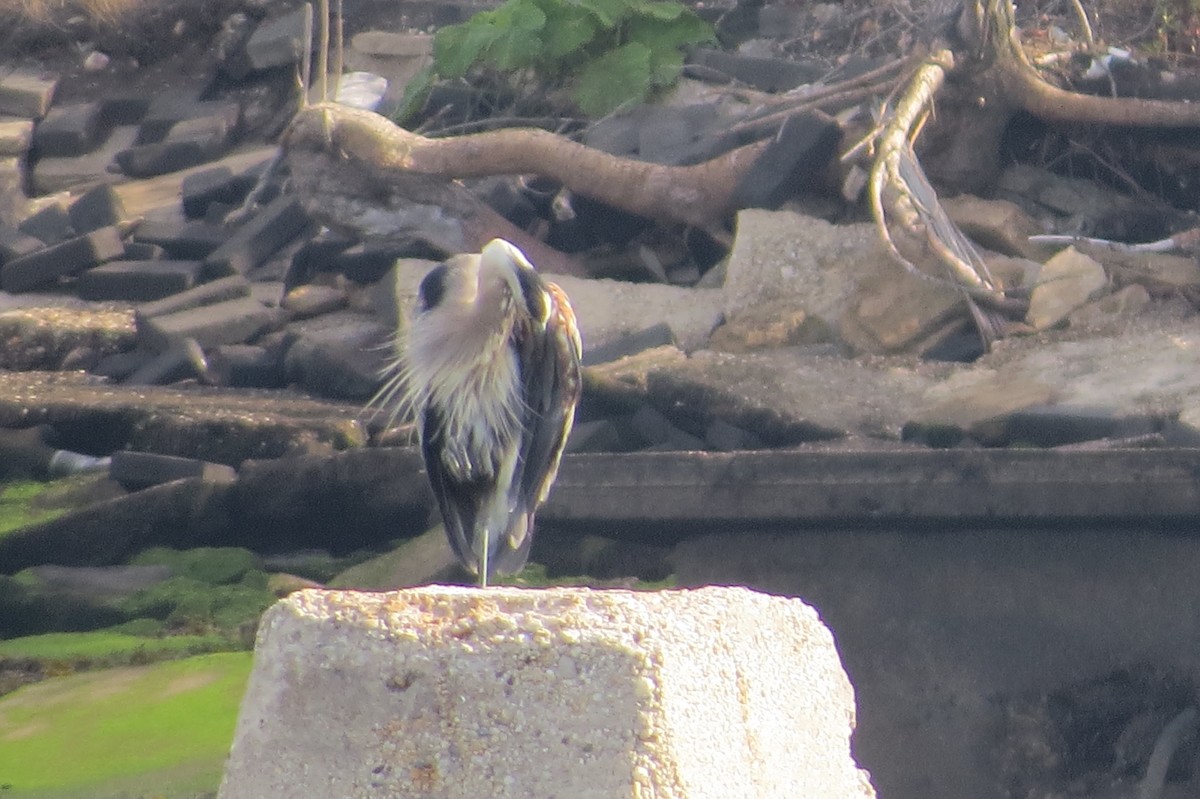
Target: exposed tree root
[[1022, 86], [698, 195]]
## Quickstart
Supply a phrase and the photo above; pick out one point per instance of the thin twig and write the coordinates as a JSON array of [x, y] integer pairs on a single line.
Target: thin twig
[[323, 51], [1162, 245], [306, 40], [1085, 27], [868, 78], [770, 122], [339, 45]]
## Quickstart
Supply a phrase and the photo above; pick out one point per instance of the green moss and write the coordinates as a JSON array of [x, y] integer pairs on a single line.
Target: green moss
[[213, 565], [185, 602], [17, 508], [161, 730]]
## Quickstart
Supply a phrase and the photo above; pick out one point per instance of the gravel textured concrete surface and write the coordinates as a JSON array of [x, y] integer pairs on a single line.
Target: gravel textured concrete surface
[[457, 692]]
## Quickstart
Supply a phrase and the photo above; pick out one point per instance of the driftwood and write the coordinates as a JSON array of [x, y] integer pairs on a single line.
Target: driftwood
[[350, 165]]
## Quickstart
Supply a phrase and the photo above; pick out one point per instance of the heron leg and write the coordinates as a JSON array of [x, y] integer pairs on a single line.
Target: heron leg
[[483, 560]]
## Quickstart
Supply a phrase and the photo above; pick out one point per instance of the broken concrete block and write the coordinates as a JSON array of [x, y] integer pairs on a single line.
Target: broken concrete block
[[280, 41], [13, 203], [612, 310], [230, 322], [337, 355], [160, 158], [794, 159], [310, 300], [143, 251], [120, 365], [388, 44], [186, 240], [251, 244], [127, 109], [59, 174], [96, 208], [171, 107], [767, 326], [724, 437], [183, 360], [314, 256], [1111, 313], [713, 693], [658, 335], [66, 258], [674, 136], [894, 311], [1067, 281], [227, 288], [597, 435], [138, 470], [189, 142], [16, 135], [365, 262], [229, 45], [68, 130], [24, 94], [50, 225], [16, 243], [217, 184], [660, 433], [616, 134], [248, 366], [138, 281], [782, 255], [999, 225]]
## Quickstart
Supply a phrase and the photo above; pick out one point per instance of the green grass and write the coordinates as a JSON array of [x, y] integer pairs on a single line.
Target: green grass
[[106, 645], [162, 730]]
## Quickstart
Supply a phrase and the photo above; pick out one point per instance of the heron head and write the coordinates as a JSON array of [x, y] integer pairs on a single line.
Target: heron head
[[503, 260]]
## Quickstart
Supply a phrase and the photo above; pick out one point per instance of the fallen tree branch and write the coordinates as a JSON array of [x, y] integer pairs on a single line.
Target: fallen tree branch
[[1020, 83], [700, 195]]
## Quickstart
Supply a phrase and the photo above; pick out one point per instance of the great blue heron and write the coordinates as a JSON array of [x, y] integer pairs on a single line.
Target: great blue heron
[[489, 367]]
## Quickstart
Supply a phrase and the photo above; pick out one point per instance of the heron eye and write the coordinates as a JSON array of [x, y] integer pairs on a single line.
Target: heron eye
[[433, 287]]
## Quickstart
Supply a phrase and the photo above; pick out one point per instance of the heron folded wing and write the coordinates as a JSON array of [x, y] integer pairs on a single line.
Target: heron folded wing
[[458, 500]]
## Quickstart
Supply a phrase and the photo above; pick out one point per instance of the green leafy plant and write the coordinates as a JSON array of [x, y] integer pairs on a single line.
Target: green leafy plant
[[605, 53]]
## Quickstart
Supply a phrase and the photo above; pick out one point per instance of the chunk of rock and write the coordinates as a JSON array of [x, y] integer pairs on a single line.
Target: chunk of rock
[[1111, 313], [338, 355], [772, 324], [782, 255], [1066, 282], [999, 225], [25, 94], [1053, 393], [783, 397], [894, 311], [456, 692]]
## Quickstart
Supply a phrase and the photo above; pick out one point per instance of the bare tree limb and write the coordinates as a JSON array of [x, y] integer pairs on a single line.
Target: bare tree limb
[[700, 195], [1023, 86]]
